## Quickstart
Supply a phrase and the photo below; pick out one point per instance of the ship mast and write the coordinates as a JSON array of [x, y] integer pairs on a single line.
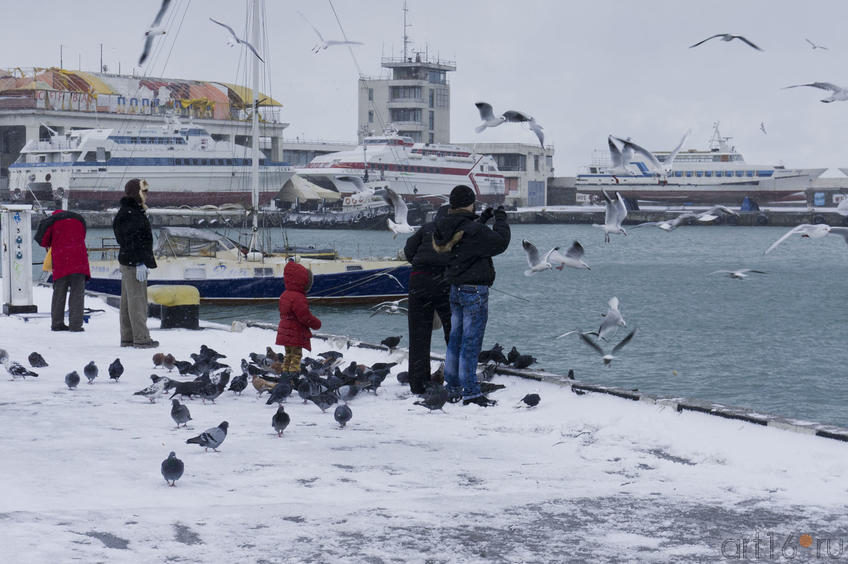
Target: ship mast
[[254, 128]]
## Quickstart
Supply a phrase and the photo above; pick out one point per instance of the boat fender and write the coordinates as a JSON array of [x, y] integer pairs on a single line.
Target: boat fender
[[762, 219], [818, 219], [254, 256]]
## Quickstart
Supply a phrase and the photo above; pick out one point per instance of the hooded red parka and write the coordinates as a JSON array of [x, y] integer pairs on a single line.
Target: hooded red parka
[[295, 319]]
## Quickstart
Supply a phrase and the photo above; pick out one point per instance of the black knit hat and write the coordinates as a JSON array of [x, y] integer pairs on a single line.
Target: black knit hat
[[132, 188], [461, 196]]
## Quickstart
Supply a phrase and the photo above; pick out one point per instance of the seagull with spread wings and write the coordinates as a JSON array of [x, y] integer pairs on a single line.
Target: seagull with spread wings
[[814, 46], [668, 224], [323, 43], [487, 114], [536, 262], [607, 357], [809, 231], [840, 94], [153, 31], [400, 224], [616, 212], [520, 117], [740, 274], [628, 149], [573, 257], [392, 307], [727, 37], [235, 39]]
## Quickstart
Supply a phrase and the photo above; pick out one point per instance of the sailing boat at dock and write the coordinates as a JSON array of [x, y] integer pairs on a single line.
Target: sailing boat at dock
[[227, 272]]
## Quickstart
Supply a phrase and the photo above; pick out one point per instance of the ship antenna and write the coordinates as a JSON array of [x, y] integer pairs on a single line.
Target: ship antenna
[[405, 25]]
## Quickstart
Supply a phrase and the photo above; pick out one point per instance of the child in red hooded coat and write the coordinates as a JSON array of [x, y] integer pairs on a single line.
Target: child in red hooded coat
[[296, 320]]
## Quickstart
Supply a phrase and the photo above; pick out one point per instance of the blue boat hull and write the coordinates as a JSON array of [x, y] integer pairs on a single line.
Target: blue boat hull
[[353, 287]]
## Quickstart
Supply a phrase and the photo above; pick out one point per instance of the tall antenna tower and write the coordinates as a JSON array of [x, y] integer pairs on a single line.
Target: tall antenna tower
[[406, 40]]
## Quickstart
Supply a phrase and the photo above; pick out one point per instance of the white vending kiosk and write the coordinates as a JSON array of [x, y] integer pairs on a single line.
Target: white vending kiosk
[[16, 234]]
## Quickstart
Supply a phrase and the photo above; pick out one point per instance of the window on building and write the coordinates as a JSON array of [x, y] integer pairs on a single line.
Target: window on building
[[405, 93], [370, 94], [536, 163], [437, 77], [432, 98], [370, 116], [511, 162], [431, 138], [432, 120], [442, 98], [406, 114]]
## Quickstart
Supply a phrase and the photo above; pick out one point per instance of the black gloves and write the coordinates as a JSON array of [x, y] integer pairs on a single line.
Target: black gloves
[[486, 215], [500, 214]]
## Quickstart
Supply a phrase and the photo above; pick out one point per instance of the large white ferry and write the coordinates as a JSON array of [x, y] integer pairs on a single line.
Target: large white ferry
[[183, 164], [717, 175], [411, 169]]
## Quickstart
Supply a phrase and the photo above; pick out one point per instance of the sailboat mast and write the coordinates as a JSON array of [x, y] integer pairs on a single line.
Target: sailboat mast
[[254, 124]]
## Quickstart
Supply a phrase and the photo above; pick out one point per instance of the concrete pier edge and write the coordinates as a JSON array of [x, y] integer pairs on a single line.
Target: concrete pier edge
[[681, 405]]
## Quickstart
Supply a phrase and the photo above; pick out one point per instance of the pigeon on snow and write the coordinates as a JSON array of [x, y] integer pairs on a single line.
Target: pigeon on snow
[[172, 469], [211, 438]]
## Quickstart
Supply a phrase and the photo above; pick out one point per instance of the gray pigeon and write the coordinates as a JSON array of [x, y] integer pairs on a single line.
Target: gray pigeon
[[90, 371], [180, 413], [323, 400], [36, 360], [4, 356], [342, 415], [172, 469], [347, 393], [531, 400], [211, 438], [280, 420], [435, 399], [116, 369], [403, 377], [72, 380]]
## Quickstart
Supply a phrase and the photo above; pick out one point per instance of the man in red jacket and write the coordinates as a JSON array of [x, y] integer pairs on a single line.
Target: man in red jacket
[[64, 234], [293, 332]]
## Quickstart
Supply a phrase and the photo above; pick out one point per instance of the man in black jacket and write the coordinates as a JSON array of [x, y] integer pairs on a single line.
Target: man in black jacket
[[429, 295], [470, 246], [135, 239]]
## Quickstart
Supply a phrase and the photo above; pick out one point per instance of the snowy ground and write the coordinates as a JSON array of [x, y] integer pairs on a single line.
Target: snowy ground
[[579, 478]]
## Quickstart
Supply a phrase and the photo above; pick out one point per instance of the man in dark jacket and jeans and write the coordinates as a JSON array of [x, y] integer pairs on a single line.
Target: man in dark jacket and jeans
[[470, 246], [135, 239], [429, 294]]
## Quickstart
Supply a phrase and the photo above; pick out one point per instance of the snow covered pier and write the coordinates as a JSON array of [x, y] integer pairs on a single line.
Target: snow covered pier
[[578, 478]]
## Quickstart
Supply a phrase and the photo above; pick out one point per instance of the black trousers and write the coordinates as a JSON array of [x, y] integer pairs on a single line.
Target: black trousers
[[75, 283], [428, 294]]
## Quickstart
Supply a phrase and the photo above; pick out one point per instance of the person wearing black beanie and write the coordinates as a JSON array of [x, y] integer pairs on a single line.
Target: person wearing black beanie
[[470, 246]]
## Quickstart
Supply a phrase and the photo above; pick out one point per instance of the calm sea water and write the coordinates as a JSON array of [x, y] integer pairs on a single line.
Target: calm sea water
[[774, 342]]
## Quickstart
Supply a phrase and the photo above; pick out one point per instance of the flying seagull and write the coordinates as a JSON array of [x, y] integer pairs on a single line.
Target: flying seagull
[[741, 274], [236, 40], [629, 148], [763, 128], [669, 224], [713, 213], [727, 37], [814, 46], [488, 117], [614, 216], [400, 224], [389, 307], [612, 321], [322, 43], [573, 257], [153, 31], [839, 93], [668, 160], [536, 263], [520, 117], [809, 231], [607, 357]]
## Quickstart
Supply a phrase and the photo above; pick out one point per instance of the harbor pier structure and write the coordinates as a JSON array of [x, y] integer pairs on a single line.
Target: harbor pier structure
[[50, 101]]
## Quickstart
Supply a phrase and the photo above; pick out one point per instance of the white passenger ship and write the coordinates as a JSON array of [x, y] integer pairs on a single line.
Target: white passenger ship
[[411, 169], [717, 175], [183, 164]]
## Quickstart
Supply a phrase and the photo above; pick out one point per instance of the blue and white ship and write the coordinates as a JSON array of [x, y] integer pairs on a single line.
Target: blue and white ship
[[717, 175], [87, 168]]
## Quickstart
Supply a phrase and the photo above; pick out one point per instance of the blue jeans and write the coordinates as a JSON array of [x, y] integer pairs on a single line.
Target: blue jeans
[[469, 313]]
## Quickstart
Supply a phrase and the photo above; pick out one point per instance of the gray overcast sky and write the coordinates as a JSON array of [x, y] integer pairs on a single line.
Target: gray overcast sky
[[583, 69]]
